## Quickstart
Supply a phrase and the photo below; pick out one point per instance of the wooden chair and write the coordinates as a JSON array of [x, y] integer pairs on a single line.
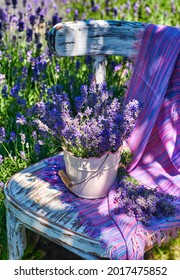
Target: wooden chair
[[25, 194]]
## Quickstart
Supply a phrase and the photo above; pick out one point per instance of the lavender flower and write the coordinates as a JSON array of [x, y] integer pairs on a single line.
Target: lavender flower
[[3, 15], [29, 33], [34, 135], [37, 149], [144, 204], [21, 26], [2, 134], [23, 138], [148, 11], [115, 12], [23, 156], [2, 79], [20, 119], [131, 113], [15, 90], [7, 2], [14, 3], [68, 10], [32, 19], [12, 136], [1, 159], [117, 67], [24, 3], [95, 8]]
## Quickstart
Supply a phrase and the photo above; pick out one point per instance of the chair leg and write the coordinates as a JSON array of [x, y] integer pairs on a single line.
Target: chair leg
[[16, 236]]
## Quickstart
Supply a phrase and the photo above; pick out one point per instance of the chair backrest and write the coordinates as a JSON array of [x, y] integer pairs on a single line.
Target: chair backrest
[[98, 38]]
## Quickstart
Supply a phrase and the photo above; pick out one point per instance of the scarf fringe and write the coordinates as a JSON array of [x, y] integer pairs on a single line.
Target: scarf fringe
[[144, 240]]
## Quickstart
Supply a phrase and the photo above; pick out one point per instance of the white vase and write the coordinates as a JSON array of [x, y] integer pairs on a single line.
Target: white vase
[[93, 177]]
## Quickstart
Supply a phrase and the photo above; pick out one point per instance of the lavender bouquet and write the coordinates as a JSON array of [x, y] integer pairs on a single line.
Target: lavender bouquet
[[90, 124]]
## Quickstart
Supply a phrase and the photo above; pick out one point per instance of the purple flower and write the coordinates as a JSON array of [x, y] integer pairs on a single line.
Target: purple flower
[[144, 204], [128, 5], [76, 13], [41, 18], [37, 149], [38, 10], [95, 8], [2, 79], [29, 33], [15, 90], [20, 119], [41, 126], [148, 11], [115, 11], [2, 134], [23, 138], [68, 10], [131, 112], [14, 3], [24, 3], [32, 19], [40, 142], [136, 7], [12, 136], [4, 91], [3, 15], [7, 2], [23, 156], [56, 19], [117, 67], [1, 159], [21, 26], [34, 135], [78, 64]]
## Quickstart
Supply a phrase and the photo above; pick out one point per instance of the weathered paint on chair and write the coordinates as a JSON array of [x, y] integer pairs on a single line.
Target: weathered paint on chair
[[29, 201], [98, 38]]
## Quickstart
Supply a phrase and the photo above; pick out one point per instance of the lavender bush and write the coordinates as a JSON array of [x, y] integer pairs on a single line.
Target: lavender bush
[[89, 124]]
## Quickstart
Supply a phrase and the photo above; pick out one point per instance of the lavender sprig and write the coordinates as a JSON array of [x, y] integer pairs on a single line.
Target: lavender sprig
[[142, 203]]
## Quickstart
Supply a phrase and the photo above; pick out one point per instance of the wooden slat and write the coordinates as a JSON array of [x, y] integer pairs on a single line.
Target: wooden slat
[[95, 37]]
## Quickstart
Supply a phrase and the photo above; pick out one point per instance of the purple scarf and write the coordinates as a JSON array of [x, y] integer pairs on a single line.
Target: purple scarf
[[155, 141]]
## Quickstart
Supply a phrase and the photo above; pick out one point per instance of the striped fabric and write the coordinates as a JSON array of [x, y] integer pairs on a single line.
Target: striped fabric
[[155, 144]]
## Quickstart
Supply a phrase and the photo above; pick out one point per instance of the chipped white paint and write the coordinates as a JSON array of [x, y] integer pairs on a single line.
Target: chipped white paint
[[95, 37], [98, 38], [99, 68], [16, 236]]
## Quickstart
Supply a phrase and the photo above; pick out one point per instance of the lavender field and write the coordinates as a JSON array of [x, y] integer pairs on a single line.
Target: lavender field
[[29, 72]]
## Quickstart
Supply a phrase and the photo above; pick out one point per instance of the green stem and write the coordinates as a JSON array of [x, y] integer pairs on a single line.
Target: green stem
[[10, 156]]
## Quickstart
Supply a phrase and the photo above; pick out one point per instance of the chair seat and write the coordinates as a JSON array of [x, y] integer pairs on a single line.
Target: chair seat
[[35, 201], [36, 205]]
